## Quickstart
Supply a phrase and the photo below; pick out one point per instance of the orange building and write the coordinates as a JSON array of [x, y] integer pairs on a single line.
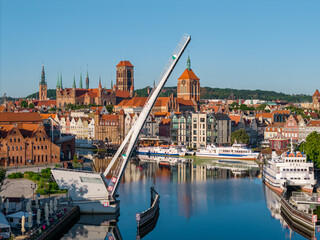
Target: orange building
[[26, 144], [316, 100], [188, 87]]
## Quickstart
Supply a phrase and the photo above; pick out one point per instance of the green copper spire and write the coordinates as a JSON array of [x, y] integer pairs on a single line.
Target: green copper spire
[[87, 80], [80, 80], [74, 82], [111, 84], [58, 82], [61, 86], [43, 77], [188, 63]]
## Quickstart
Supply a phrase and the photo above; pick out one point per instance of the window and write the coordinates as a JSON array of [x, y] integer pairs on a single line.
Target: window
[[194, 125], [90, 180]]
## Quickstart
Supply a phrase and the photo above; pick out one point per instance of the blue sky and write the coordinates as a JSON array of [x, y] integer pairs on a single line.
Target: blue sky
[[242, 44]]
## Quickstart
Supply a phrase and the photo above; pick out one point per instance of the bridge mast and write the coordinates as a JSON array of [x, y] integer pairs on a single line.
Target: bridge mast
[[127, 146]]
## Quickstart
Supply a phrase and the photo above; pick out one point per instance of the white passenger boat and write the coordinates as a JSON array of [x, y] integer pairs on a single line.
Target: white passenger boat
[[289, 169], [236, 151], [143, 150], [168, 151]]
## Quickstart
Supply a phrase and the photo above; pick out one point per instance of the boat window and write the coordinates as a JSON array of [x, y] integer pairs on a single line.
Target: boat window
[[90, 180]]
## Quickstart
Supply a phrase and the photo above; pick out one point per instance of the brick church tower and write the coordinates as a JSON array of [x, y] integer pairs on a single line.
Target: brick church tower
[[125, 81], [43, 86], [188, 86]]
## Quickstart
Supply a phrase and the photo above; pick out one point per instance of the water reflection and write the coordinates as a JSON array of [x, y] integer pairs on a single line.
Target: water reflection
[[274, 205], [197, 199], [94, 227]]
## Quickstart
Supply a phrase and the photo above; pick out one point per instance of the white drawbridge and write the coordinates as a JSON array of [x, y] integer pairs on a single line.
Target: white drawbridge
[[90, 190]]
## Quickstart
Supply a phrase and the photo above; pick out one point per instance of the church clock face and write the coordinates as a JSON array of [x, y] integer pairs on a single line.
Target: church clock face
[[183, 82]]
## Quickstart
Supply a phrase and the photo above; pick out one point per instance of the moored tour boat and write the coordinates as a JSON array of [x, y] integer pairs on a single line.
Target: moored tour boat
[[163, 151], [236, 151], [289, 169]]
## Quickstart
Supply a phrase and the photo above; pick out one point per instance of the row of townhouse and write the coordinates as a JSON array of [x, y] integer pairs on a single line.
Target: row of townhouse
[[81, 127], [294, 127], [151, 127], [200, 129]]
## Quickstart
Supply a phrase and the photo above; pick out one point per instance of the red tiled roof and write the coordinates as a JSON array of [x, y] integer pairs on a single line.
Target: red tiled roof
[[109, 117], [314, 123], [264, 115], [165, 121], [45, 103], [20, 117], [47, 115], [316, 93], [122, 94], [235, 118], [185, 102], [188, 74], [161, 114], [162, 101], [124, 64], [140, 101]]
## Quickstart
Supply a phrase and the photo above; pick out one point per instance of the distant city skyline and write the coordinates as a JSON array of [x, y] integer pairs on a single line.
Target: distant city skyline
[[268, 45]]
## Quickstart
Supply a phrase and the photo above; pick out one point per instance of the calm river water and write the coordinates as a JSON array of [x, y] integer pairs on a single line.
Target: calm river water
[[206, 199]]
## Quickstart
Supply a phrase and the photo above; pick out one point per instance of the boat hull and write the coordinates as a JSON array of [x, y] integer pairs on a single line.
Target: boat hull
[[247, 158], [97, 207], [277, 190]]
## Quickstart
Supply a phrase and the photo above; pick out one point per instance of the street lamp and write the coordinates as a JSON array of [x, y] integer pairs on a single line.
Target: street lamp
[[33, 187]]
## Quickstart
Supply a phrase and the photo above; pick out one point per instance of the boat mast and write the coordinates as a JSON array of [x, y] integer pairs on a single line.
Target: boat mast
[[127, 146]]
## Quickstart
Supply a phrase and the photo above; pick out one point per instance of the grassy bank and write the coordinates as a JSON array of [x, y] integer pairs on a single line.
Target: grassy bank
[[45, 184]]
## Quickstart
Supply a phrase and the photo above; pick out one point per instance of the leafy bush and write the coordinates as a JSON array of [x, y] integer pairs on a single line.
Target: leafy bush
[[15, 175]]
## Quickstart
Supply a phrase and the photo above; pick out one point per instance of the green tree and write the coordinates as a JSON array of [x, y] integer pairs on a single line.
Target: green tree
[[24, 104], [109, 108], [2, 177], [31, 105], [261, 106], [240, 136], [312, 148]]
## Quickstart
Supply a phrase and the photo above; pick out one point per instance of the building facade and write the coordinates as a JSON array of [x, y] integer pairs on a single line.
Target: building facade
[[125, 79], [26, 144], [188, 87], [109, 128]]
